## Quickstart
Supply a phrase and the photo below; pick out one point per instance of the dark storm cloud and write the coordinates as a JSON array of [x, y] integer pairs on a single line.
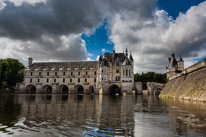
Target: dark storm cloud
[[64, 17], [53, 18]]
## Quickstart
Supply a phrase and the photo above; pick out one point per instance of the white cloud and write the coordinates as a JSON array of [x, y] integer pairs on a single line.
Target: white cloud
[[104, 50], [89, 54], [20, 2], [70, 47], [153, 40]]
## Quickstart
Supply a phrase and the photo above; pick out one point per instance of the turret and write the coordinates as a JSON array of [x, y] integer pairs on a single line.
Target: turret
[[173, 61], [30, 60], [169, 60], [126, 53]]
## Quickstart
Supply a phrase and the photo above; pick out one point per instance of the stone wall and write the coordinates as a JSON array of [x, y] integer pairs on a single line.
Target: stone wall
[[190, 86]]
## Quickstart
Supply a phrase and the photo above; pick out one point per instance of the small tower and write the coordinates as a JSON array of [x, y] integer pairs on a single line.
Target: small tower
[[180, 64], [30, 61], [126, 53], [174, 67]]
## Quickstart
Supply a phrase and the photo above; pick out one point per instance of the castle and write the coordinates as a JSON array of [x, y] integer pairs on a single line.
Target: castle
[[111, 74], [174, 67]]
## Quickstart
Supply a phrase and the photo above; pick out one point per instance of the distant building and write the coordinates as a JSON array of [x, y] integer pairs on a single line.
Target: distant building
[[174, 67], [112, 73]]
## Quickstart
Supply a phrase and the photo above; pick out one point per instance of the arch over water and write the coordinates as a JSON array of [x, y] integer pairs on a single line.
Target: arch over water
[[47, 89], [79, 89], [64, 89], [91, 90], [157, 91], [31, 89], [114, 89]]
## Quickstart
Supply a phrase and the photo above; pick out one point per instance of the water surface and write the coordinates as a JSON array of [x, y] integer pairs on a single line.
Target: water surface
[[87, 115]]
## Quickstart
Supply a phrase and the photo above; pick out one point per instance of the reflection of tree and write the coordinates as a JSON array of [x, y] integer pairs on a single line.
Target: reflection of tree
[[9, 111]]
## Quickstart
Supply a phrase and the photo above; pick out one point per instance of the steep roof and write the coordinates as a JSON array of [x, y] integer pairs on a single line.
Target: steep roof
[[173, 62], [89, 64]]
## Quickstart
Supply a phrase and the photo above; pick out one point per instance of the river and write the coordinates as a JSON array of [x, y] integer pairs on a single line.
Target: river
[[99, 115]]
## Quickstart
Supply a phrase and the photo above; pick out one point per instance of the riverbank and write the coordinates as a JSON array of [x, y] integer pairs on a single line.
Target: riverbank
[[191, 86]]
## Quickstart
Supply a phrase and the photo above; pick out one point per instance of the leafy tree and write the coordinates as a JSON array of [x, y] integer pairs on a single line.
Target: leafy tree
[[11, 72], [150, 77]]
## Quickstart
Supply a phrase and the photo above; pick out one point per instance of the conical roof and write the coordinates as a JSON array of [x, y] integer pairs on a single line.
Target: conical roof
[[173, 61]]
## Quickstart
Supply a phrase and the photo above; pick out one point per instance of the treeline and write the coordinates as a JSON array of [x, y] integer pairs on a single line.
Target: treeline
[[11, 72], [150, 77]]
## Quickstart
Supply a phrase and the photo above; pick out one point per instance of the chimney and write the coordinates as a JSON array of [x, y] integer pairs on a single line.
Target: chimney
[[169, 60], [113, 54], [30, 60]]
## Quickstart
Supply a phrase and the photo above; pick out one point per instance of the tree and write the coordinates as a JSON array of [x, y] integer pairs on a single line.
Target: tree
[[150, 77], [11, 72]]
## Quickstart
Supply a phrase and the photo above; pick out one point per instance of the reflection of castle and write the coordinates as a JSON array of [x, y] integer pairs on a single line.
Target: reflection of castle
[[75, 115], [174, 67], [112, 73]]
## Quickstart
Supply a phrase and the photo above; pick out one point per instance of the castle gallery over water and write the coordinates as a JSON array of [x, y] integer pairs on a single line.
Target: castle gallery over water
[[113, 73]]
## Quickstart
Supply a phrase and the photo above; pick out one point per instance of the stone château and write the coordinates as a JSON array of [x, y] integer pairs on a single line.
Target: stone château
[[111, 74]]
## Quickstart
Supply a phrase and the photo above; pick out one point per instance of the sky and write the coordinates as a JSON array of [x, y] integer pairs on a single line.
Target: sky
[[70, 30]]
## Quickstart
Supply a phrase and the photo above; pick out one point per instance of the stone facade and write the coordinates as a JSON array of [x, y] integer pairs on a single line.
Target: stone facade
[[112, 73]]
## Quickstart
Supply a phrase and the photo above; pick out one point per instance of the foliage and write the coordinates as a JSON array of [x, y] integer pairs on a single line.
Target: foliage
[[150, 77], [11, 72]]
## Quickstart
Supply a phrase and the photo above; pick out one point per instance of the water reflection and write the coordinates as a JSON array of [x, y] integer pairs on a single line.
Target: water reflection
[[92, 115]]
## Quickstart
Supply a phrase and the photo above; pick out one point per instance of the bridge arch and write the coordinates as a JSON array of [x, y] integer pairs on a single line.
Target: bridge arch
[[79, 89], [157, 91], [31, 89], [47, 89], [114, 89], [64, 89]]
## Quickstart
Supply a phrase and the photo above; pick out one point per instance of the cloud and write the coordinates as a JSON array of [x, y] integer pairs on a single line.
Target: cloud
[[104, 50], [69, 48], [153, 39], [90, 55], [51, 30]]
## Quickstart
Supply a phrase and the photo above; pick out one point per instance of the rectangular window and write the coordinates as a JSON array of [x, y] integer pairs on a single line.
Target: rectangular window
[[123, 72], [39, 73], [95, 73], [126, 72], [79, 73], [47, 80], [63, 80], [64, 73], [117, 78], [86, 72], [71, 73], [117, 70], [38, 80], [85, 80], [70, 80], [47, 73], [54, 80], [78, 79], [30, 80], [95, 80], [31, 73], [102, 78], [55, 73], [102, 71]]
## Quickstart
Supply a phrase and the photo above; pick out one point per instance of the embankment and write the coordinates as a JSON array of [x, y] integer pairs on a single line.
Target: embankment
[[191, 86]]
